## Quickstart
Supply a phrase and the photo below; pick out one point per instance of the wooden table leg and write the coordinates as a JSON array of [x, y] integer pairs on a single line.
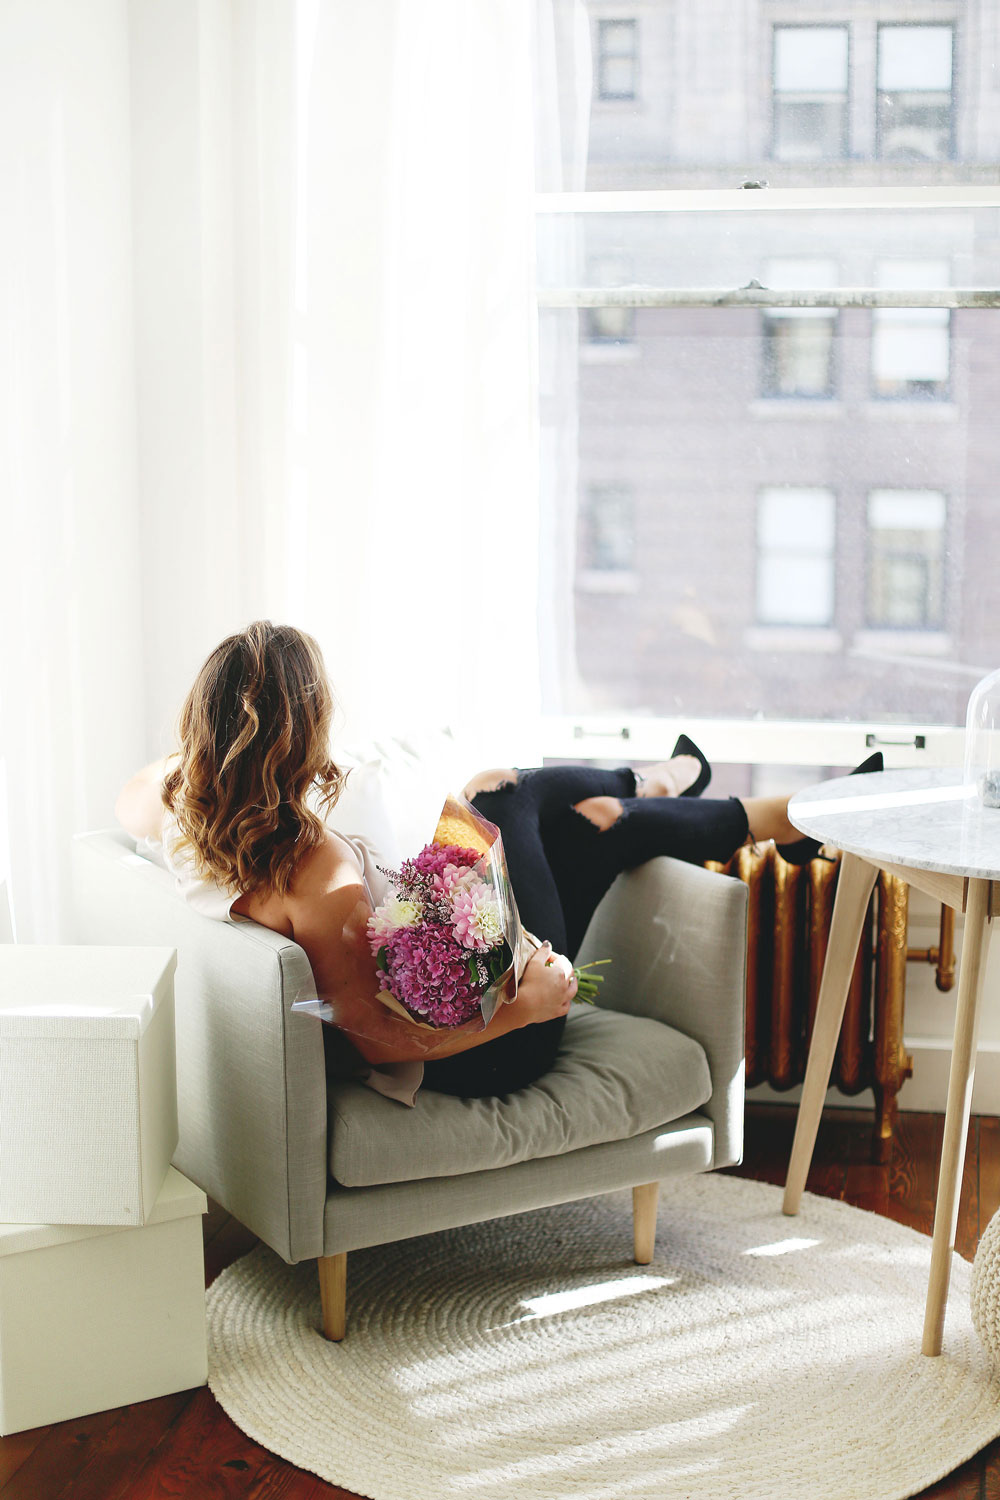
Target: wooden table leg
[[956, 1121], [854, 886]]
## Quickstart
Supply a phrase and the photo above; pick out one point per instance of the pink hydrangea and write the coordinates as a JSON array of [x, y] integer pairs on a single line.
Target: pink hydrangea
[[433, 858], [428, 973]]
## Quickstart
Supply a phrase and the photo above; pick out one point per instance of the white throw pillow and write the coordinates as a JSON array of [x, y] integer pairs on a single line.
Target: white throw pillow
[[361, 808], [396, 788]]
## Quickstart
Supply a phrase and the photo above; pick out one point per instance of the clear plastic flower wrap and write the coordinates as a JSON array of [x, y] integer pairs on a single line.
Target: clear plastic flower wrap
[[443, 948]]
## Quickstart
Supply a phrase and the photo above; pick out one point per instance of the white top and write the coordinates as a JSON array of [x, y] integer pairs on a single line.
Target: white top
[[399, 1081], [927, 819]]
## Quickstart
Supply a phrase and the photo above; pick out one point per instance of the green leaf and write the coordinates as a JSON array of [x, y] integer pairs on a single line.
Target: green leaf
[[382, 959]]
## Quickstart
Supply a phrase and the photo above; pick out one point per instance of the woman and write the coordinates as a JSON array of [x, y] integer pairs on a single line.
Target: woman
[[238, 814]]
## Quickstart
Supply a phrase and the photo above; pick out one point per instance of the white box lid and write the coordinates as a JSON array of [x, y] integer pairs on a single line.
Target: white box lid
[[82, 991], [177, 1199]]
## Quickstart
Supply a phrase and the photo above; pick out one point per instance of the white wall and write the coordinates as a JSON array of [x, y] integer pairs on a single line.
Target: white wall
[[193, 531]]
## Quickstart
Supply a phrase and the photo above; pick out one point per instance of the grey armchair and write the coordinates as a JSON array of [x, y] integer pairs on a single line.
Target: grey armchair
[[647, 1086]]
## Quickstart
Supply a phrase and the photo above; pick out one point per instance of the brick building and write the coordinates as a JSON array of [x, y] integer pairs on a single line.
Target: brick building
[[791, 511]]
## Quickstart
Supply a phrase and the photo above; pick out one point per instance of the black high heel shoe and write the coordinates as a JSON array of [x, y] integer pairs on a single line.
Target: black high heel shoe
[[684, 746], [805, 849]]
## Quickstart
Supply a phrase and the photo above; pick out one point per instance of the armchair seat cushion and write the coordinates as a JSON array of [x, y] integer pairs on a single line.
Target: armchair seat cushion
[[615, 1077]]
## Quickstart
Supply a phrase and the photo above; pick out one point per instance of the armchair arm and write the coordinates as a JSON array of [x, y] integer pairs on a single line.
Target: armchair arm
[[251, 1083], [677, 935]]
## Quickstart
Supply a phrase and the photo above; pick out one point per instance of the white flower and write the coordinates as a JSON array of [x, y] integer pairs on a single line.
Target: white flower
[[393, 913], [401, 913]]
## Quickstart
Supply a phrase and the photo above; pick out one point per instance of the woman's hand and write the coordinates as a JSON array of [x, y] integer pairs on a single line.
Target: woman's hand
[[547, 987]]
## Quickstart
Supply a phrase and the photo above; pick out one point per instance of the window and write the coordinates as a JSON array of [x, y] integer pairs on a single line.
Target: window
[[795, 557], [617, 72], [906, 539], [915, 93], [810, 92], [609, 325], [606, 532], [725, 402], [798, 342], [911, 347]]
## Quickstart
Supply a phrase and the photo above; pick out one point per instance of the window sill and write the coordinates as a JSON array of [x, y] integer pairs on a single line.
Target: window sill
[[596, 352], [793, 638], [901, 642], [796, 407], [899, 409], [597, 581]]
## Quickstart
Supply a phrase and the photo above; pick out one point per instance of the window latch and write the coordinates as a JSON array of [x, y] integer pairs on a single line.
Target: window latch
[[579, 733], [918, 741]]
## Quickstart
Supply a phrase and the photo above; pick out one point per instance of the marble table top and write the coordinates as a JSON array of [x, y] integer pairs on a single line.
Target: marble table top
[[927, 819]]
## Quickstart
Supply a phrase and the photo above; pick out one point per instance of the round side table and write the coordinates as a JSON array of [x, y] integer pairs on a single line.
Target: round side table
[[925, 827]]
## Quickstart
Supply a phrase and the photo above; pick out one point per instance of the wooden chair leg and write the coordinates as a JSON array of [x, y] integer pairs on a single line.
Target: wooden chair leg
[[333, 1295], [644, 1221]]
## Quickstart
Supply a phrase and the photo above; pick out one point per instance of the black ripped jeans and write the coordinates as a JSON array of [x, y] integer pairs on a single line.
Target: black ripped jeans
[[561, 864]]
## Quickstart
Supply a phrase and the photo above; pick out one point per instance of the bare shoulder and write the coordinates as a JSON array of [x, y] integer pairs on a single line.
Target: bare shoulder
[[330, 866]]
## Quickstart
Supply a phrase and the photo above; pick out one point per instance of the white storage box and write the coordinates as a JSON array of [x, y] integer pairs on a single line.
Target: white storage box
[[88, 1088], [94, 1317]]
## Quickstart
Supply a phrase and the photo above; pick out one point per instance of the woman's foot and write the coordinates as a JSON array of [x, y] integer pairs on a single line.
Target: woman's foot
[[686, 746], [669, 778], [801, 848]]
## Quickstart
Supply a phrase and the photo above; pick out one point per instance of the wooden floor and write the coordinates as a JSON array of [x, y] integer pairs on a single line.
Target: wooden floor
[[184, 1445]]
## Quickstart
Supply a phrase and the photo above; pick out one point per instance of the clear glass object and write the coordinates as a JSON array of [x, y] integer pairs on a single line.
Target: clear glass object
[[982, 741]]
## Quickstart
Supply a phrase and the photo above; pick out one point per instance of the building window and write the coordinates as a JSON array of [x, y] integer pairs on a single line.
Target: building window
[[915, 93], [795, 556], [810, 92], [617, 59], [906, 533], [798, 342], [609, 325], [911, 347], [606, 531]]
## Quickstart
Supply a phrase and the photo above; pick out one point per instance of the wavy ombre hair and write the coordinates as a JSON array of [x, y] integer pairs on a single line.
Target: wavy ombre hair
[[254, 743]]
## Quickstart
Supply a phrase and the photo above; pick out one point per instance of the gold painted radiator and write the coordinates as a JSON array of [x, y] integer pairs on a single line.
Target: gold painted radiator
[[788, 929]]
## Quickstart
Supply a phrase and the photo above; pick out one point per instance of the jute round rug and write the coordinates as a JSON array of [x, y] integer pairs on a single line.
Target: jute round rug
[[757, 1356]]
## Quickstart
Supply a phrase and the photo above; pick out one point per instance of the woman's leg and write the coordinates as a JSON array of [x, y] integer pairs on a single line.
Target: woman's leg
[[590, 844], [561, 864], [518, 805]]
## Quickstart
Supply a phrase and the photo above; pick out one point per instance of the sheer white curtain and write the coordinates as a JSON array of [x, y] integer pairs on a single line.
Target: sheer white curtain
[[563, 101], [71, 666], [268, 348]]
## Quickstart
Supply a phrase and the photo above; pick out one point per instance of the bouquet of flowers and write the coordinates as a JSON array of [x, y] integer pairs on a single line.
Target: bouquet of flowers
[[448, 941]]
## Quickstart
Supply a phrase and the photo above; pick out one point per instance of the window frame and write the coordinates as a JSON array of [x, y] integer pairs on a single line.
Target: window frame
[[613, 736], [829, 556], [881, 28], [589, 574], [941, 396], [770, 321], [604, 25], [894, 627], [845, 143]]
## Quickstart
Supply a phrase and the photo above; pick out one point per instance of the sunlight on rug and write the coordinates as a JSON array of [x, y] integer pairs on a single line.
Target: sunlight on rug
[[530, 1357]]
